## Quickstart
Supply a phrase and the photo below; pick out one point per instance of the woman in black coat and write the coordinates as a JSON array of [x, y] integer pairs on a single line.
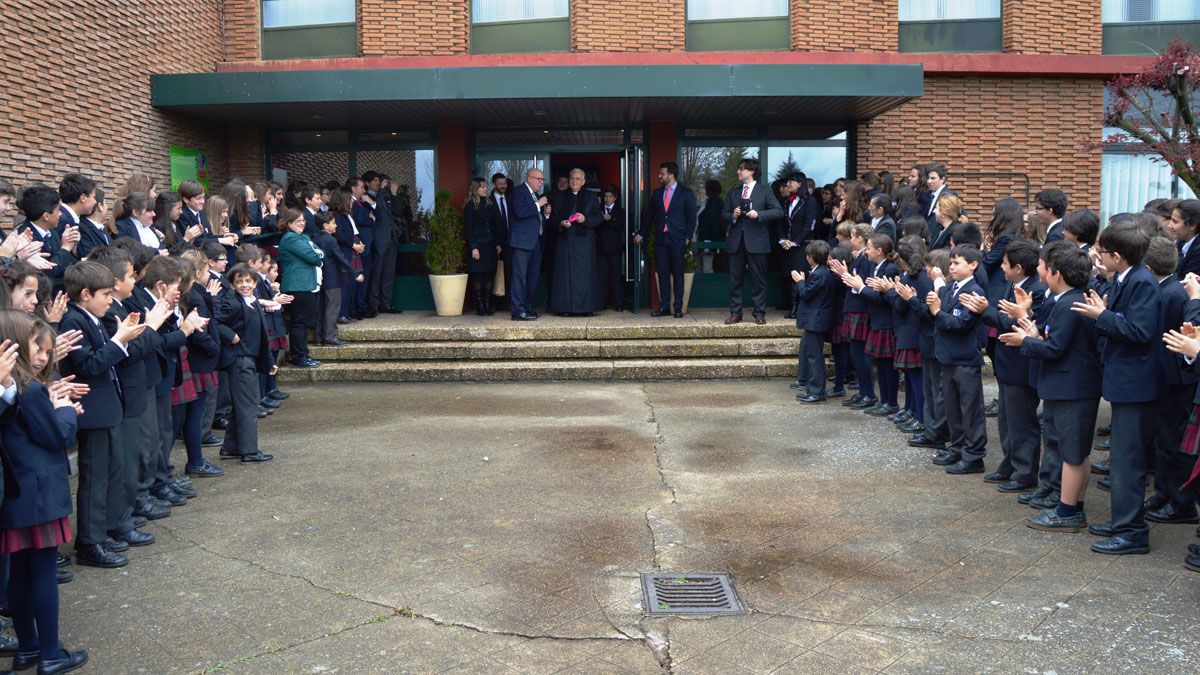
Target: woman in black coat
[[483, 245]]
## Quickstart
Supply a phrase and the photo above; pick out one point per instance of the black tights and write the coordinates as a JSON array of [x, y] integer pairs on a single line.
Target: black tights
[[33, 592]]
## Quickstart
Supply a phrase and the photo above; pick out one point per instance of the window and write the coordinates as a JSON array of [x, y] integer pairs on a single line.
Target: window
[[292, 13], [948, 10], [495, 11], [1137, 11], [712, 10]]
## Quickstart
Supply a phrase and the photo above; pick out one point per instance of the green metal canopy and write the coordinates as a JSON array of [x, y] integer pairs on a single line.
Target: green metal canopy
[[542, 95]]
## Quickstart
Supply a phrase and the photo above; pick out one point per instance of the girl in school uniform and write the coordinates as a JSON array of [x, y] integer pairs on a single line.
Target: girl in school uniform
[[37, 423], [856, 321], [911, 261], [198, 368], [881, 338]]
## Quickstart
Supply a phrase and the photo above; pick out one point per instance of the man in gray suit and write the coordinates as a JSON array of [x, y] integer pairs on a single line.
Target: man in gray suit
[[748, 210]]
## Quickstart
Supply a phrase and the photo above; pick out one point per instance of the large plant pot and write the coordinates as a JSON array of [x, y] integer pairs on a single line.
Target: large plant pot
[[449, 293], [688, 277]]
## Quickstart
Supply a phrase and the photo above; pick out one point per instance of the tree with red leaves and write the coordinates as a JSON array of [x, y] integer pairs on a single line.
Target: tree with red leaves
[[1169, 131]]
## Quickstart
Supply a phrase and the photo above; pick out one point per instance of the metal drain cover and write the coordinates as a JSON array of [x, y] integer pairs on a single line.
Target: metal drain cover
[[695, 593]]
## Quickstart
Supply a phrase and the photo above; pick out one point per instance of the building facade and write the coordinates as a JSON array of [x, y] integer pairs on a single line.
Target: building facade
[[1006, 92]]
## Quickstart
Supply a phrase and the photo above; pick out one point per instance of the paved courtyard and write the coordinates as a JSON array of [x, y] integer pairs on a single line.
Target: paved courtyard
[[501, 528]]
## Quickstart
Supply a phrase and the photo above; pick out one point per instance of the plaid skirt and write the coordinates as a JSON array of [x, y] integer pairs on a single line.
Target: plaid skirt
[[185, 392], [855, 326], [908, 359], [279, 343], [205, 381], [43, 535], [881, 344], [356, 260], [1191, 435]]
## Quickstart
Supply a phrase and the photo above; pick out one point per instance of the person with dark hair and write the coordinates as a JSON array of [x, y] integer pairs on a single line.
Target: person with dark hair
[[1051, 206], [904, 205], [1081, 227], [881, 337], [482, 249], [880, 210], [193, 225], [381, 272], [243, 313], [7, 195], [870, 179], [78, 194], [907, 323], [814, 315], [1131, 323], [936, 177], [40, 206], [709, 226], [801, 212], [313, 203], [1183, 226], [502, 196], [299, 264], [139, 224], [887, 182], [341, 205], [915, 226], [364, 221], [334, 267], [671, 213], [612, 248], [748, 209]]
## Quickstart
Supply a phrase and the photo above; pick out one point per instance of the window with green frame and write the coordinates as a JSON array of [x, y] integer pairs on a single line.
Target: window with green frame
[[958, 26], [308, 29], [1145, 26], [751, 25], [506, 27]]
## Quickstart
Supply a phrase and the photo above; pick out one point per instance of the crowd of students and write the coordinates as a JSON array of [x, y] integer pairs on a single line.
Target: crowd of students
[[123, 330], [1067, 314]]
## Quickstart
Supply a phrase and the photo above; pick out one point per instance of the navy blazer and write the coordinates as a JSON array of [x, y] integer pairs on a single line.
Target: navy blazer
[[345, 234], [680, 217], [131, 371], [1011, 366], [612, 231], [854, 301], [188, 219], [929, 213], [52, 244], [1067, 360], [232, 311], [955, 328], [335, 263], [310, 222], [802, 220], [93, 364], [91, 237], [907, 323], [878, 306], [887, 226], [362, 218], [754, 234], [204, 346], [817, 296], [1055, 233], [923, 285], [526, 225], [35, 436], [163, 364], [1131, 330], [1188, 263], [991, 264], [1173, 370]]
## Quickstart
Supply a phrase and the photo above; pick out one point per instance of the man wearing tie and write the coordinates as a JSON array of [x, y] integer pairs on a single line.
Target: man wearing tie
[[748, 210], [935, 180], [500, 196], [525, 240], [672, 213]]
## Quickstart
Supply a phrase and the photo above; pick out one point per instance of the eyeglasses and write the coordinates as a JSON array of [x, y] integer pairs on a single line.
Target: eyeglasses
[[1104, 251], [222, 260]]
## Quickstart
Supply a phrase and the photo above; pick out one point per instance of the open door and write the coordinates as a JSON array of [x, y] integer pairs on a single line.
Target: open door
[[633, 194]]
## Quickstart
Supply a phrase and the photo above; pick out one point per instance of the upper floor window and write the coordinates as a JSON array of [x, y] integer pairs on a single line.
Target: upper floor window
[[495, 11], [1137, 11], [292, 13], [709, 10], [948, 10]]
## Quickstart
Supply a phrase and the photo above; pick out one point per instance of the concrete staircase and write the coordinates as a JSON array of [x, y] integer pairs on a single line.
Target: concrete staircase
[[609, 346]]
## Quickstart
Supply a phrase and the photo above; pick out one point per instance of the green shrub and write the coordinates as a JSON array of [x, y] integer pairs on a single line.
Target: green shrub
[[446, 253]]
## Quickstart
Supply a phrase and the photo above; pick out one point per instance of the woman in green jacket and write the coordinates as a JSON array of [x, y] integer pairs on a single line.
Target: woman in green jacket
[[300, 276]]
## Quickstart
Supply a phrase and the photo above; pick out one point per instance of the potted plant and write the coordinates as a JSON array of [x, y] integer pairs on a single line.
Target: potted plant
[[689, 273], [445, 257]]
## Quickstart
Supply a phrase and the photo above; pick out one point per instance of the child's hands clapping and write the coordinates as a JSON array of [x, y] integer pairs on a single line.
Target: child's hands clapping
[[65, 343], [906, 292], [974, 302], [9, 351]]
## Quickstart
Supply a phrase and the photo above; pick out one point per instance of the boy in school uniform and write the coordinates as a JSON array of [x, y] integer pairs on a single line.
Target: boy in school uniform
[[1018, 403], [1130, 325], [956, 347], [334, 266], [1171, 503], [814, 314], [1065, 352], [40, 205], [89, 285], [242, 313]]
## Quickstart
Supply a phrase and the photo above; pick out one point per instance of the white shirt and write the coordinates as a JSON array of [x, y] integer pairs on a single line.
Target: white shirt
[[146, 234], [750, 187], [71, 211], [250, 300], [1187, 246], [1122, 275], [933, 202], [113, 339], [10, 393]]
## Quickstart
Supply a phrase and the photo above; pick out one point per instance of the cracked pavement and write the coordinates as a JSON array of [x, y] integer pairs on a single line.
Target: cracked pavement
[[502, 527]]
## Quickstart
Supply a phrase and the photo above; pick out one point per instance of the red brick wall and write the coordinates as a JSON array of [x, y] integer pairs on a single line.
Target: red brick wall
[[242, 24], [414, 27], [627, 26], [846, 26], [994, 125], [247, 156], [81, 101], [1051, 26]]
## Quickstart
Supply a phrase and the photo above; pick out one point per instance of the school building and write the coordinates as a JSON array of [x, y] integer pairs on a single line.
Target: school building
[[1006, 92]]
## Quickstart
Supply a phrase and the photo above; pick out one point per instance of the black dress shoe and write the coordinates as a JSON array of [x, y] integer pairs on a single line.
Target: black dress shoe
[[278, 395], [1105, 483], [900, 416], [865, 403], [911, 427], [344, 320], [1048, 502], [263, 412], [852, 401], [1118, 545], [334, 342], [116, 545], [991, 409], [268, 402], [184, 488], [229, 453], [168, 495], [26, 660], [795, 385], [1192, 562], [760, 319], [66, 664], [523, 317], [678, 315], [837, 393], [371, 314], [1101, 467], [946, 458], [1012, 486], [138, 522], [733, 318], [1194, 549], [311, 363], [205, 470], [1101, 530], [211, 440], [923, 441], [1105, 444], [135, 538], [256, 457], [220, 422], [303, 363], [659, 312], [62, 560], [880, 410], [1025, 497], [65, 576], [965, 466], [995, 477], [1168, 514], [96, 555], [1104, 431], [810, 399]]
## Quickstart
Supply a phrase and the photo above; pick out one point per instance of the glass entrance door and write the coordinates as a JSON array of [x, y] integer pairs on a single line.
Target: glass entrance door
[[633, 195]]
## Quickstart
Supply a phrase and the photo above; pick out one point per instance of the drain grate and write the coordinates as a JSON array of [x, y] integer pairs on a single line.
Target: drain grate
[[697, 593]]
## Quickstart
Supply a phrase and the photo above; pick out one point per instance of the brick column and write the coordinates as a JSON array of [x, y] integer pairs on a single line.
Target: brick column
[[1051, 26], [242, 20], [854, 26], [414, 27], [627, 26], [247, 156]]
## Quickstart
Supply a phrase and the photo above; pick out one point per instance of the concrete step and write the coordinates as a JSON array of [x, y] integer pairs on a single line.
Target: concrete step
[[542, 370], [410, 350]]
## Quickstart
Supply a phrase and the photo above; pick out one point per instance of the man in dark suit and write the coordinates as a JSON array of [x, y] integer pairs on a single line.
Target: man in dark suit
[[525, 240], [612, 246], [748, 209], [1051, 206], [502, 188], [936, 177], [880, 208], [1184, 226], [672, 213], [381, 281]]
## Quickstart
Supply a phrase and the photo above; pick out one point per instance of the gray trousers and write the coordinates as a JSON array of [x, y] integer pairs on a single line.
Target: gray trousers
[[963, 388], [242, 434], [1050, 471], [329, 304], [382, 282], [810, 373], [935, 400], [1020, 439], [100, 462], [210, 403], [134, 442], [1172, 468], [149, 447], [166, 442], [1132, 435]]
